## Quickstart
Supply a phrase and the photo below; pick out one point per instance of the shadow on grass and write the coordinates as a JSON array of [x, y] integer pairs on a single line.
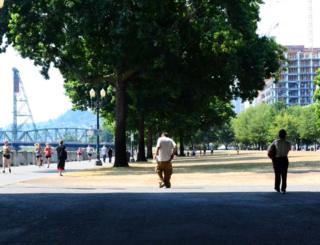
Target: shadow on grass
[[210, 168], [161, 218], [218, 160]]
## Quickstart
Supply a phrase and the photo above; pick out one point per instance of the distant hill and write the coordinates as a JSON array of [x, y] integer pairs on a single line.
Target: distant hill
[[71, 119]]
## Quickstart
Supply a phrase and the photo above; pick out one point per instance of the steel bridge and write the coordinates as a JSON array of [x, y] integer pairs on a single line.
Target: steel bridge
[[71, 136], [25, 133]]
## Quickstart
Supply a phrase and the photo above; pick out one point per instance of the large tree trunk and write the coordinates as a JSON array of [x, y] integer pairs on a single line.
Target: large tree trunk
[[181, 150], [149, 144], [141, 153], [121, 116]]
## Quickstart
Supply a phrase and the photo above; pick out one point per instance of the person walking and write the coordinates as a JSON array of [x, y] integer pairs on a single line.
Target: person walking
[[110, 154], [38, 154], [165, 151], [79, 154], [48, 153], [89, 152], [6, 155], [62, 156], [278, 152], [104, 153]]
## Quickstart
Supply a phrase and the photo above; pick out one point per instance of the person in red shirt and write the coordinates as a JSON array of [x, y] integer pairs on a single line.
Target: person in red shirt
[[48, 153], [79, 154]]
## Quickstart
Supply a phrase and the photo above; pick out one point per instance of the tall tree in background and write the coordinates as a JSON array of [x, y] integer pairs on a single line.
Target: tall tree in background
[[317, 96]]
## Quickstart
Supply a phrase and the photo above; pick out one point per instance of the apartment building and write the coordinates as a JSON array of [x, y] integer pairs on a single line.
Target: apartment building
[[295, 86]]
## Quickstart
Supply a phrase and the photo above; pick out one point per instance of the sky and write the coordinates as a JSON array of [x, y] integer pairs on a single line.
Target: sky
[[286, 20], [47, 98]]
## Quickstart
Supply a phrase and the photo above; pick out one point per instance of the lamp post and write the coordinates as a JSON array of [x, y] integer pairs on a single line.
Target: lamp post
[[92, 94], [132, 139]]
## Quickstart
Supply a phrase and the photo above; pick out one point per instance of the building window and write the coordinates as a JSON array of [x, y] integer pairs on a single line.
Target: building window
[[293, 101], [293, 93], [305, 62], [292, 78], [304, 70], [293, 63], [293, 85]]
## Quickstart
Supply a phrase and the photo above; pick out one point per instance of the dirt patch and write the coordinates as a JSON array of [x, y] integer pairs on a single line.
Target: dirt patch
[[250, 168]]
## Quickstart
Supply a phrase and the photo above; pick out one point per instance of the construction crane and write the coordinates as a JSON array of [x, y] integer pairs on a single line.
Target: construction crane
[[310, 24], [275, 26]]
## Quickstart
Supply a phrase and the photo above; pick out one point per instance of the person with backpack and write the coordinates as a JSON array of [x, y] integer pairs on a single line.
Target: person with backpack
[[278, 152], [62, 157], [110, 154]]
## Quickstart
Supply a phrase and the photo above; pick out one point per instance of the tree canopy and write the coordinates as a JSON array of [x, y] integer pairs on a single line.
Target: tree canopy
[[197, 49], [258, 126]]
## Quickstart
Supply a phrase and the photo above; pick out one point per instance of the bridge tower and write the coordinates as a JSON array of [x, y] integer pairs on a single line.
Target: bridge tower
[[21, 110]]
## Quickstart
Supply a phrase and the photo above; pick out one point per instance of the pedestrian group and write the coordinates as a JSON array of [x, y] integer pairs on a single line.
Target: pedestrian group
[[48, 152], [165, 150]]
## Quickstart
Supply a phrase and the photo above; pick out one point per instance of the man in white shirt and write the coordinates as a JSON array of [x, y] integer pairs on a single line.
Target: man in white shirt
[[165, 151], [104, 153]]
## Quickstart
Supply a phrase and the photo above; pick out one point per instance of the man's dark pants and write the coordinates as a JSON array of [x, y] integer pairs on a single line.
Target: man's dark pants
[[280, 166], [164, 171]]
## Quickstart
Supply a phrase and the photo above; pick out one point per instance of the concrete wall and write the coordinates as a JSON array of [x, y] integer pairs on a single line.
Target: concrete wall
[[28, 158]]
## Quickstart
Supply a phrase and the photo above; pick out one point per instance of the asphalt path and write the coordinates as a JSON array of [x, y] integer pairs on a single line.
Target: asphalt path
[[160, 218], [154, 216], [29, 172]]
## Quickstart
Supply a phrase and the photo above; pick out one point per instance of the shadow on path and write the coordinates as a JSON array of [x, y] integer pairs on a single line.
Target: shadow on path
[[161, 218]]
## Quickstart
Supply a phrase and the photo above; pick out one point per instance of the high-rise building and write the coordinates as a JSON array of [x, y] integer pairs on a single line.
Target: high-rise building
[[295, 86]]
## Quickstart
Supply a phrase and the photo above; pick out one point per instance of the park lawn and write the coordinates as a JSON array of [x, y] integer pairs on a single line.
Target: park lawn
[[222, 169]]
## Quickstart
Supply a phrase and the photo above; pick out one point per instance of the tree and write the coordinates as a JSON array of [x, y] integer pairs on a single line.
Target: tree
[[94, 42], [252, 126], [260, 122], [117, 42], [241, 128], [316, 96], [288, 122], [225, 134], [307, 125]]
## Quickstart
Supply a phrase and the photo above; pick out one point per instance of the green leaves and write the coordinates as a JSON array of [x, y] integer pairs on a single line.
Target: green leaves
[[260, 125], [196, 54]]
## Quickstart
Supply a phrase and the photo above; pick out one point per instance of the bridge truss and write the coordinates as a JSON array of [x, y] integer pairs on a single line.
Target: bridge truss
[[51, 135]]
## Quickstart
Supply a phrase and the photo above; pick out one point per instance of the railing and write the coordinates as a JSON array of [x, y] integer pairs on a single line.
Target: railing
[[28, 158]]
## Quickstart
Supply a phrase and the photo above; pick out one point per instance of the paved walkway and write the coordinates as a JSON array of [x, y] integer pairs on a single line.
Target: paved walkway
[[30, 172], [124, 206], [160, 218]]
